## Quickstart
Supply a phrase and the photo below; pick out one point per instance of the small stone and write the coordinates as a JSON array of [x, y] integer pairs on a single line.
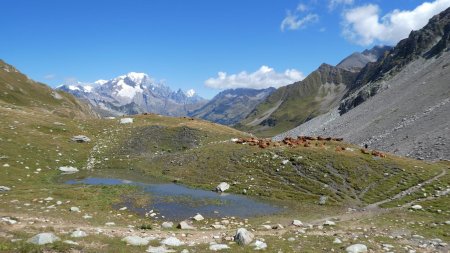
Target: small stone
[[136, 240], [416, 207], [160, 249], [222, 187], [78, 233], [217, 247], [297, 223], [68, 169], [337, 241], [75, 209], [80, 138], [109, 224], [329, 223], [260, 245]]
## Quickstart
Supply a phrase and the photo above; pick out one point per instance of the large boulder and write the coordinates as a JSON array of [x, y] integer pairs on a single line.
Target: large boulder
[[80, 138], [243, 236], [356, 248], [43, 238], [136, 240], [222, 187]]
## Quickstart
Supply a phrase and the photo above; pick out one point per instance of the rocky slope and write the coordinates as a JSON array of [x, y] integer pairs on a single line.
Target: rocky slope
[[231, 106], [135, 93], [17, 90], [294, 104], [357, 61], [403, 105]]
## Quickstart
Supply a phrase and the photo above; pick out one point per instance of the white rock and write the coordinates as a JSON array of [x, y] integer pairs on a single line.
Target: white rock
[[70, 242], [297, 223], [87, 216], [356, 248], [123, 208], [284, 162], [260, 245], [136, 240], [4, 188], [337, 241], [81, 138], [160, 249], [43, 238], [110, 224], [167, 224], [222, 187], [447, 222], [198, 217], [267, 227], [172, 241], [185, 251], [68, 169], [78, 233], [126, 121], [9, 220], [74, 209], [185, 225], [243, 237], [329, 223], [416, 207], [217, 247]]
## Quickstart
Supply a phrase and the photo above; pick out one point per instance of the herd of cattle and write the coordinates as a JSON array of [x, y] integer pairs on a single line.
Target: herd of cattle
[[301, 141]]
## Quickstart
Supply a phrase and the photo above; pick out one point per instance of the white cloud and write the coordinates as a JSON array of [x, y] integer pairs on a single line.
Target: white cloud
[[364, 25], [50, 76], [302, 7], [294, 22], [264, 77], [332, 4]]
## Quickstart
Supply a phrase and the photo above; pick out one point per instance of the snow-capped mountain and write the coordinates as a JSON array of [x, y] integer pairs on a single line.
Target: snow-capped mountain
[[135, 93]]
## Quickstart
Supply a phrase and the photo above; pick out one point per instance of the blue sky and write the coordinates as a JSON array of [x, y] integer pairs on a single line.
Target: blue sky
[[187, 43]]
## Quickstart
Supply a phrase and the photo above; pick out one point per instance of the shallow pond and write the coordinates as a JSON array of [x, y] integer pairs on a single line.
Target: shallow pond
[[177, 202]]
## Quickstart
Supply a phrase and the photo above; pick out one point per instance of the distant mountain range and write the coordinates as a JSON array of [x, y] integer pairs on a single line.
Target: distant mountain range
[[231, 106], [135, 93]]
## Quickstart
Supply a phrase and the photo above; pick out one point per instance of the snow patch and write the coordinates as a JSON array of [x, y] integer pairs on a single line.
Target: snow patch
[[127, 90], [190, 93], [100, 82], [73, 87]]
